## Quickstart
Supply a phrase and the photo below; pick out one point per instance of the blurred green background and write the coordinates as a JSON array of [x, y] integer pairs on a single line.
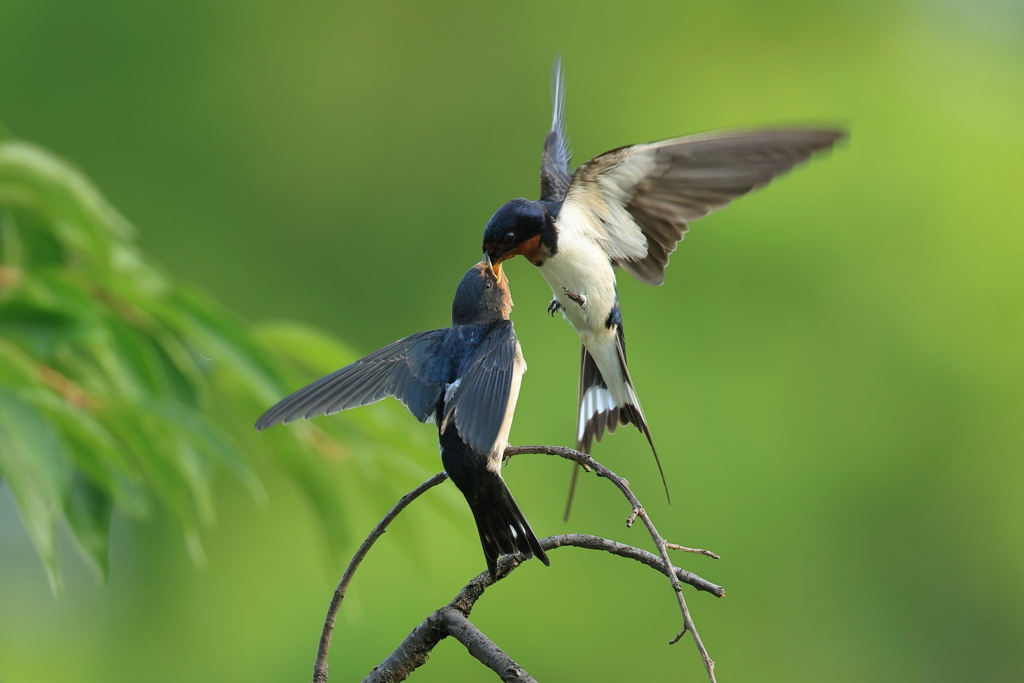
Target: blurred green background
[[832, 371]]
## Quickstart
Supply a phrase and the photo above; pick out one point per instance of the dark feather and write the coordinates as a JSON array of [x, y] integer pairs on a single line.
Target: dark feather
[[554, 167], [597, 423], [500, 522], [634, 414], [479, 403], [665, 185], [404, 369]]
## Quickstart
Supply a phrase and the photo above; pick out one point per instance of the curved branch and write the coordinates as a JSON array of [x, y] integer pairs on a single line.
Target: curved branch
[[415, 649], [623, 550], [638, 510], [320, 667]]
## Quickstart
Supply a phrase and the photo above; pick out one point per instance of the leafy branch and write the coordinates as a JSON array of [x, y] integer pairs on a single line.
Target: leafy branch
[[121, 389]]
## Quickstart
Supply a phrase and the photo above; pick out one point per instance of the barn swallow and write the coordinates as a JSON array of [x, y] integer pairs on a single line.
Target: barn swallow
[[628, 207], [465, 379]]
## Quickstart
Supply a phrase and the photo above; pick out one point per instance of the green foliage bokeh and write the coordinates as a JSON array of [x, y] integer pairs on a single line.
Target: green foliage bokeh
[[120, 388], [832, 371]]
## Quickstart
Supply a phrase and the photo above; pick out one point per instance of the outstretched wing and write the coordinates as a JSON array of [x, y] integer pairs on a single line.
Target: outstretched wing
[[638, 200], [554, 165], [482, 401], [404, 370]]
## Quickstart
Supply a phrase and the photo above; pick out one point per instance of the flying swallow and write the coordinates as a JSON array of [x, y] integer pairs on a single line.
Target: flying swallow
[[465, 379], [628, 207]]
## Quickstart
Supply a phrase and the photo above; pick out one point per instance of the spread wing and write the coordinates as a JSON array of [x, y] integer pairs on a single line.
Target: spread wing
[[554, 165], [482, 401], [637, 201], [404, 370]]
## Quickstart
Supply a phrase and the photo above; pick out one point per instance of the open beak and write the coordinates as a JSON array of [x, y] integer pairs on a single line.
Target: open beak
[[495, 267]]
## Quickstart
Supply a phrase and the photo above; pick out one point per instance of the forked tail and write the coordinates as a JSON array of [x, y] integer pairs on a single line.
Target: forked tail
[[599, 412], [502, 526]]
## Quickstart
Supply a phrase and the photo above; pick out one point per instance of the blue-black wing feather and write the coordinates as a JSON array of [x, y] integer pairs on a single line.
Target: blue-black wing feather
[[406, 369], [479, 403], [554, 166]]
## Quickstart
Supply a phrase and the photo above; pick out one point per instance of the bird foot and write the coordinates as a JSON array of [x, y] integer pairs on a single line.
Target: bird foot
[[554, 307], [578, 299]]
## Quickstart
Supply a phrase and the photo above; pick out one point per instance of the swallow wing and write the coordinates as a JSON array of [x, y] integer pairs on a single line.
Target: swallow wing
[[554, 165], [637, 201], [482, 401], [404, 369]]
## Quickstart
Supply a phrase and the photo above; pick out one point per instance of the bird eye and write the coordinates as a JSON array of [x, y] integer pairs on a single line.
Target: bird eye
[[509, 235]]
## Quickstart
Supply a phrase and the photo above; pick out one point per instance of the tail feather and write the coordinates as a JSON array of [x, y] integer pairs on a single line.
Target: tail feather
[[502, 525], [632, 413], [599, 412]]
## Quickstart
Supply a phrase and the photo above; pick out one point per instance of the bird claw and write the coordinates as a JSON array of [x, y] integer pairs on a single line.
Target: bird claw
[[554, 307], [578, 299]]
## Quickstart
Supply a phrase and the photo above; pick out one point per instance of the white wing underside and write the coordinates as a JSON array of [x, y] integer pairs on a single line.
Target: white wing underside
[[636, 201]]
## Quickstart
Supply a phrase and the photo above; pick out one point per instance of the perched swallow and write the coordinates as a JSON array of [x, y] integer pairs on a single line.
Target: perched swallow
[[464, 378], [628, 207]]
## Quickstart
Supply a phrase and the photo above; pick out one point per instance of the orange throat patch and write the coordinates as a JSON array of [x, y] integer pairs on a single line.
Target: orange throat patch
[[532, 249]]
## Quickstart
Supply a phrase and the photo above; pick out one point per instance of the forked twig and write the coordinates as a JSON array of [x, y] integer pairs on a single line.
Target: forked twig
[[415, 649], [638, 510], [480, 646], [452, 619], [698, 551]]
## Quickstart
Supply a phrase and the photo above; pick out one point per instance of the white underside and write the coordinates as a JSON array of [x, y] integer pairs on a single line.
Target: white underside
[[581, 266]]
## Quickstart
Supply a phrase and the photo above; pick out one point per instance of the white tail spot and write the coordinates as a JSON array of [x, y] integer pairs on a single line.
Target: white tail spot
[[595, 400]]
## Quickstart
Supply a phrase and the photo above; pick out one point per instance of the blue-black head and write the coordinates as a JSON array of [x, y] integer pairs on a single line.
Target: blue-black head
[[483, 296], [521, 227]]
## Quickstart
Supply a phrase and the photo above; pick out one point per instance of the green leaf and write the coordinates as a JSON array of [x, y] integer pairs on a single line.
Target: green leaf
[[224, 343], [88, 509], [306, 346], [35, 465], [145, 315], [94, 450], [176, 478], [16, 367], [12, 251], [211, 439], [82, 219], [123, 388]]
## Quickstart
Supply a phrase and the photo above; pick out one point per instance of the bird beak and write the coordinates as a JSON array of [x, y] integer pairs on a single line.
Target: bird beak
[[495, 267]]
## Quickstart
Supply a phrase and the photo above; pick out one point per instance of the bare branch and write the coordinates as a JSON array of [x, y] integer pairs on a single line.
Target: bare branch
[[452, 619], [659, 541], [415, 649], [320, 667], [623, 550], [410, 655], [481, 647], [698, 551]]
